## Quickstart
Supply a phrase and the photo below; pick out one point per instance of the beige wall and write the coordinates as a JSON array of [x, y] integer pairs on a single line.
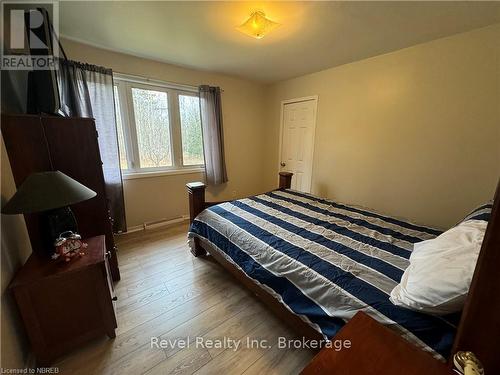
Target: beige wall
[[15, 247], [157, 198], [414, 133]]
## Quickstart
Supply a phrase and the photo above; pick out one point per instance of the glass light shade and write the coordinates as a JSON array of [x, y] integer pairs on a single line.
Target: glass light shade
[[45, 191], [257, 26]]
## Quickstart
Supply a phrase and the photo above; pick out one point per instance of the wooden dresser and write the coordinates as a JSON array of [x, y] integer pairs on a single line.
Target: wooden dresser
[[70, 145], [63, 305], [374, 350]]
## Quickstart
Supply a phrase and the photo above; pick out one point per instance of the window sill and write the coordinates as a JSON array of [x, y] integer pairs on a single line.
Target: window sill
[[134, 175]]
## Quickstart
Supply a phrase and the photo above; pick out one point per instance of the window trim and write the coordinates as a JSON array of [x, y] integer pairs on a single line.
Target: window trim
[[161, 173], [124, 84], [154, 82]]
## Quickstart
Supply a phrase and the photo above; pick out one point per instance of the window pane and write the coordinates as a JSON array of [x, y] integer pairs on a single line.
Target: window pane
[[192, 143], [152, 125], [119, 130]]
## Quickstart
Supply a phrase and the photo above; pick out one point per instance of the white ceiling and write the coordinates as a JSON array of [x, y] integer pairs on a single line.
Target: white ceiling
[[313, 35]]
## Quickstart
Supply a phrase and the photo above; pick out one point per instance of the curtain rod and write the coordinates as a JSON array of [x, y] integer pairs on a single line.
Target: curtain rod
[[138, 79]]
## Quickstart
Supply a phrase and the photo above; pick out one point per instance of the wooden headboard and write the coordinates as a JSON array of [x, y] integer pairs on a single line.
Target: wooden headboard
[[479, 328]]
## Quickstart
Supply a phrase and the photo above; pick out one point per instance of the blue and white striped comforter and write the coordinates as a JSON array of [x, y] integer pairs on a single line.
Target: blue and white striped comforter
[[324, 261]]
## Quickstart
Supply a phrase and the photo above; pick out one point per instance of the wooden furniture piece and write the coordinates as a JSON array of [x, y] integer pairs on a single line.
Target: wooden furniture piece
[[479, 327], [367, 347], [43, 143], [65, 304]]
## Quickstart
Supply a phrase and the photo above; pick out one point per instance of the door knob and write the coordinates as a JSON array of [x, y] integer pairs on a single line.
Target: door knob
[[283, 164]]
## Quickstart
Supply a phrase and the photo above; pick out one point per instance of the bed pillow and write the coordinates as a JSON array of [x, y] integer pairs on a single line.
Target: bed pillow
[[482, 212], [440, 272]]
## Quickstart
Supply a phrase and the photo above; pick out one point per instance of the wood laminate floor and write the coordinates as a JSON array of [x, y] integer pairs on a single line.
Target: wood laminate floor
[[165, 293]]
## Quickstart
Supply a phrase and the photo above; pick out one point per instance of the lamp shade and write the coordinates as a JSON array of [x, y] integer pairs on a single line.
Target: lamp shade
[[44, 191], [258, 25]]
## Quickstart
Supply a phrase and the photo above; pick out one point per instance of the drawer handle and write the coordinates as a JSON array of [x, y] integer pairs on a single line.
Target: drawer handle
[[115, 298], [108, 254]]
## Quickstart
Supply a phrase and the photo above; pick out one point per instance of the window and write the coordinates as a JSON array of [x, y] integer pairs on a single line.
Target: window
[[192, 144], [152, 125], [158, 126]]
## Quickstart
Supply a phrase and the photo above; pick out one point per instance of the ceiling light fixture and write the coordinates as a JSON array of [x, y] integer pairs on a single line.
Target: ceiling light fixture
[[257, 26]]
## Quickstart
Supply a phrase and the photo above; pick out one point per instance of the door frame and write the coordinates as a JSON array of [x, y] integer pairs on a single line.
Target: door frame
[[282, 108]]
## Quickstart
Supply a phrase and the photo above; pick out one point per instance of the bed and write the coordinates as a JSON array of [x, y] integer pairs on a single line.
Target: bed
[[316, 262]]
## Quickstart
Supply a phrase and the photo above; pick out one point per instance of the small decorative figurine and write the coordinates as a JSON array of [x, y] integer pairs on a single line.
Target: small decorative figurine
[[69, 245]]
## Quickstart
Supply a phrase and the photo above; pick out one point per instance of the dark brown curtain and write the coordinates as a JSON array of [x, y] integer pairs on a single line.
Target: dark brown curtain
[[87, 91], [213, 135]]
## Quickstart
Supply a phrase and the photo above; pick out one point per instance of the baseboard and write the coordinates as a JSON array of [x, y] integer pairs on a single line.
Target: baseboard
[[156, 224]]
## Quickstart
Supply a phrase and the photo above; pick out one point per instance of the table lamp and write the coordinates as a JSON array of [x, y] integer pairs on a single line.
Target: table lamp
[[49, 192]]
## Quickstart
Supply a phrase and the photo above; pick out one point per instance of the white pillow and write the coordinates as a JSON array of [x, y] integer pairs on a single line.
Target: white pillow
[[440, 272]]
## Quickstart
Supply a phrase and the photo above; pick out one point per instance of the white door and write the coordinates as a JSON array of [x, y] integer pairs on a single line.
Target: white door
[[297, 141]]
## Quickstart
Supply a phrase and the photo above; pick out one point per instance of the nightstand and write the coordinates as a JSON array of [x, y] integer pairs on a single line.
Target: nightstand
[[376, 350], [63, 305]]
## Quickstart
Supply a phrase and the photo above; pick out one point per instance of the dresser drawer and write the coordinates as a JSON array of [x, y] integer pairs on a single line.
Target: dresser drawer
[[109, 280]]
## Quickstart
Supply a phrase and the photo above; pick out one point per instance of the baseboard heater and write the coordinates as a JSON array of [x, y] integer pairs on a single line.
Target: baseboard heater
[[157, 224]]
